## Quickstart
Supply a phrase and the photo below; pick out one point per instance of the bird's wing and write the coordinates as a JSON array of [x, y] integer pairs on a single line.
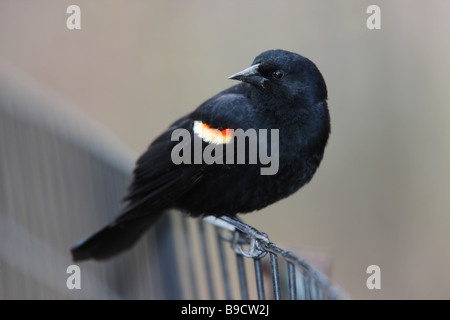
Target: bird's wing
[[157, 181]]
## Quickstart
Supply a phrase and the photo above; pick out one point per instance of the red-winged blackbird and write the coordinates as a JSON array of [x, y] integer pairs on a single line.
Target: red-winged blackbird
[[281, 90]]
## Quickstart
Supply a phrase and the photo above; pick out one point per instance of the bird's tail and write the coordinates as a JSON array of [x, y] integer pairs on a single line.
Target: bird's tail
[[114, 238]]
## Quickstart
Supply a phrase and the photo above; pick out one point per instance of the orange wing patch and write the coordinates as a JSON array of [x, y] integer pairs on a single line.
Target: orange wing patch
[[211, 135]]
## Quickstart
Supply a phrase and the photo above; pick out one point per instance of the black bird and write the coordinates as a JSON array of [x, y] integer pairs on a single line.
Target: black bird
[[280, 90]]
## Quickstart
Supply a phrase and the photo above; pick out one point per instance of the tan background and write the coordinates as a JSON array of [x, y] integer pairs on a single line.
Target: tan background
[[381, 195]]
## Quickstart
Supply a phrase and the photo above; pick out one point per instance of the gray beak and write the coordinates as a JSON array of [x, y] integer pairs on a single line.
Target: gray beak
[[250, 75]]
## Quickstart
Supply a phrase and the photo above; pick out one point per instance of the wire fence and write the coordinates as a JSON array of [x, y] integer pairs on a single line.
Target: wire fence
[[239, 262]]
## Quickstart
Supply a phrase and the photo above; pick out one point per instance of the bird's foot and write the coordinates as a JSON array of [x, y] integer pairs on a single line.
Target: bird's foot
[[243, 236]]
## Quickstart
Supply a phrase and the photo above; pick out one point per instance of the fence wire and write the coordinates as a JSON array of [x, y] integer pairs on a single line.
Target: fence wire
[[260, 270]]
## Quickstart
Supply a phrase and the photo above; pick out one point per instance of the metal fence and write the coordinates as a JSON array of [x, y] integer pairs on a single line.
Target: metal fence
[[239, 262]]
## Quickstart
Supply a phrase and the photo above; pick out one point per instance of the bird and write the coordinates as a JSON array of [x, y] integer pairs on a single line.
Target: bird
[[281, 92]]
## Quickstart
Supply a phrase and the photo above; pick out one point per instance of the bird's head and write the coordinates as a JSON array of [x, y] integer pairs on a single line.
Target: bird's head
[[283, 76]]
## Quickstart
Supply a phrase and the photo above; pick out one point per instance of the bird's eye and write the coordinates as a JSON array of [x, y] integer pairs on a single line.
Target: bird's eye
[[277, 74]]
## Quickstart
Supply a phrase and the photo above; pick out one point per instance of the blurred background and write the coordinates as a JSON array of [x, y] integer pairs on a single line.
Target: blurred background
[[382, 193]]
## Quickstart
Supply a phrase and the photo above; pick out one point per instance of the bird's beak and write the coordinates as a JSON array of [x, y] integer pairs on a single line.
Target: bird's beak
[[250, 75]]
